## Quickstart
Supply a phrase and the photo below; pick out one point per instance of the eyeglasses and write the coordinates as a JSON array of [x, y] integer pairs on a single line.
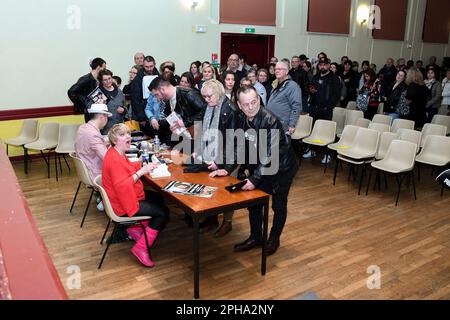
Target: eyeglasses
[[250, 104], [132, 72], [279, 69], [207, 96]]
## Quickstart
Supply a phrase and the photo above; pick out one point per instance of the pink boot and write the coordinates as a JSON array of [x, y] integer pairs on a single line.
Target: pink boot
[[136, 231], [140, 248]]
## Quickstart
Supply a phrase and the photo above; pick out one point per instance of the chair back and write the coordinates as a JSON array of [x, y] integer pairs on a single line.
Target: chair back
[[385, 141], [351, 105], [82, 170], [351, 116], [432, 129], [339, 118], [324, 130], [380, 127], [443, 120], [347, 138], [363, 123], [29, 130], [381, 118], [402, 124], [436, 148], [49, 133], [366, 142], [106, 203], [303, 127], [411, 136], [401, 153], [66, 139]]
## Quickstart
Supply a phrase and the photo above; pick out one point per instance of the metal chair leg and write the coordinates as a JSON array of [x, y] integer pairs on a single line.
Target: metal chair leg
[[75, 197], [107, 247], [106, 231], [370, 179], [87, 207], [64, 157], [414, 184], [399, 182], [7, 150], [56, 166], [336, 165], [60, 166], [363, 171]]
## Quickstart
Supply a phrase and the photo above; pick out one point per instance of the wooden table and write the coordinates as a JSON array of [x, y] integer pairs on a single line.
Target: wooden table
[[220, 202]]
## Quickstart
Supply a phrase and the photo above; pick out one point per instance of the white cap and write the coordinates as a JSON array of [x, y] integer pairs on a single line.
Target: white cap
[[99, 108]]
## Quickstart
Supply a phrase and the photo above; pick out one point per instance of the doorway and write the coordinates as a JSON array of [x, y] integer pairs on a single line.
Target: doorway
[[257, 48]]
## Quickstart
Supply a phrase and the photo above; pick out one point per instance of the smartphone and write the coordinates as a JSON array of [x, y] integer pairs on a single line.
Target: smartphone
[[236, 187]]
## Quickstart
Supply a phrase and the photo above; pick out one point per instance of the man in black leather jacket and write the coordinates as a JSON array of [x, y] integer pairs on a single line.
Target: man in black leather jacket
[[272, 173], [187, 103], [78, 93]]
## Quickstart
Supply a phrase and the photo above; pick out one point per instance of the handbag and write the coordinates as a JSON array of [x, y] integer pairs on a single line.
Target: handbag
[[362, 101], [402, 107], [133, 125]]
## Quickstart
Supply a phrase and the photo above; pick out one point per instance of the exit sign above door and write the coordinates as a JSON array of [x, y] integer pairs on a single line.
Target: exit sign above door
[[249, 30]]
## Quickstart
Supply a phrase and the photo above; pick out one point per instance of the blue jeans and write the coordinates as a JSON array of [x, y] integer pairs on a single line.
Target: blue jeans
[[393, 115]]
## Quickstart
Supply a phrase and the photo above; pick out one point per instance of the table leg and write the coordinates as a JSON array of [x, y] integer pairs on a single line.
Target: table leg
[[265, 227], [195, 218]]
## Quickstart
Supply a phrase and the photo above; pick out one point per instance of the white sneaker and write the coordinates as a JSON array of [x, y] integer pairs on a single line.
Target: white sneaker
[[326, 159], [309, 154], [100, 206], [98, 199]]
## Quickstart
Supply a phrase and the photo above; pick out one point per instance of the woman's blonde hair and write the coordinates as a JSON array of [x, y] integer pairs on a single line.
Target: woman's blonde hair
[[414, 75], [114, 132], [215, 86], [213, 70]]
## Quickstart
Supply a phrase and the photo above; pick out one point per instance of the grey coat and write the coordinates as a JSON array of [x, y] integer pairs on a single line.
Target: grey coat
[[436, 96], [285, 103], [113, 104]]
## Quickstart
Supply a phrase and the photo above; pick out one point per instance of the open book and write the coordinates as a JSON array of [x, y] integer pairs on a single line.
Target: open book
[[193, 189]]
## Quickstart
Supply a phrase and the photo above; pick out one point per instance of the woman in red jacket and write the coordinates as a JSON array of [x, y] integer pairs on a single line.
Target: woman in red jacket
[[121, 180]]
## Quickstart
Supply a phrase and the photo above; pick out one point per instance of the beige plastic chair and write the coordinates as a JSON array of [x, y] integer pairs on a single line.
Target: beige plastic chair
[[381, 118], [432, 129], [28, 134], [323, 133], [352, 116], [346, 140], [48, 140], [443, 120], [413, 136], [380, 127], [399, 160], [66, 144], [362, 152], [435, 151], [351, 105], [363, 123], [339, 118], [303, 128], [402, 124], [380, 109], [385, 141], [117, 220], [85, 179]]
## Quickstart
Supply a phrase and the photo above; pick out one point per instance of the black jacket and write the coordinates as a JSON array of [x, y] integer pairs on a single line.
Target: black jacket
[[190, 105], [80, 90], [392, 101], [328, 91], [265, 120], [138, 103]]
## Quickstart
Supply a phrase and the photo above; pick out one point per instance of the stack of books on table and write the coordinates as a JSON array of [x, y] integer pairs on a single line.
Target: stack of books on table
[[192, 189]]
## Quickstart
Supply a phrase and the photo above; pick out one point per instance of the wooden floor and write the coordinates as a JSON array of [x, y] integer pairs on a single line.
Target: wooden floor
[[331, 237]]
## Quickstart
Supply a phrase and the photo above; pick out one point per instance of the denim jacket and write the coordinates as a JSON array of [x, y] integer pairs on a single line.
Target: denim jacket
[[154, 108]]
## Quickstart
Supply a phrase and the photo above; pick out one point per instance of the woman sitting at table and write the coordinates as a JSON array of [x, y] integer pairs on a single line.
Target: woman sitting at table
[[121, 180]]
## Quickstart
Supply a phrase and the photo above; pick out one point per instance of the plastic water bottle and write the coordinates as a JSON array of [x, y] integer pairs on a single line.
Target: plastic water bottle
[[156, 144]]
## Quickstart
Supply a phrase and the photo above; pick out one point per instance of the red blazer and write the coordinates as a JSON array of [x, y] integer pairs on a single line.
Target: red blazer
[[118, 182]]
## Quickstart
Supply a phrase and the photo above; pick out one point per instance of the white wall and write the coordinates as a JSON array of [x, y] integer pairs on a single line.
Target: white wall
[[40, 57]]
